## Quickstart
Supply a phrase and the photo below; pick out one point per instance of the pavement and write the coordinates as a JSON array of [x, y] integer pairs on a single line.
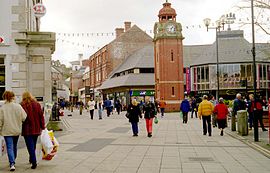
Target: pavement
[[107, 146]]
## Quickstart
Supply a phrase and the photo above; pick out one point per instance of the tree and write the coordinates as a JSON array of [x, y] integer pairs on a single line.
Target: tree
[[261, 14]]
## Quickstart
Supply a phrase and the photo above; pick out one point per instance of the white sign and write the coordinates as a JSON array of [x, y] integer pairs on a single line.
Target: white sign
[[39, 10]]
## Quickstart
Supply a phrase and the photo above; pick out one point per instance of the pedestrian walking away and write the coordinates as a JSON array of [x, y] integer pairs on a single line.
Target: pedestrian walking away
[[118, 106], [194, 107], [162, 105], [185, 108], [100, 109], [205, 111], [134, 113], [107, 105], [32, 126], [214, 116], [150, 112], [12, 115], [91, 104], [221, 111]]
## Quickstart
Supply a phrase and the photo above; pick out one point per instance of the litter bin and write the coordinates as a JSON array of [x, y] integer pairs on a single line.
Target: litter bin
[[242, 122]]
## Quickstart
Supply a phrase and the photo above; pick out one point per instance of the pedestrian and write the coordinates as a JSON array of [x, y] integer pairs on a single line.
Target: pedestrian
[[134, 113], [162, 105], [112, 106], [205, 111], [100, 109], [185, 108], [32, 126], [221, 111], [55, 112], [118, 106], [259, 113], [250, 109], [238, 104], [12, 116], [194, 107], [91, 104], [150, 112], [214, 116], [107, 105]]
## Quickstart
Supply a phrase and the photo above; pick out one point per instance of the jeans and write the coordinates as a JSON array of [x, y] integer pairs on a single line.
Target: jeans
[[207, 124], [149, 125], [100, 113], [92, 113], [134, 128], [185, 117], [193, 111], [31, 142], [162, 111], [11, 144], [250, 119]]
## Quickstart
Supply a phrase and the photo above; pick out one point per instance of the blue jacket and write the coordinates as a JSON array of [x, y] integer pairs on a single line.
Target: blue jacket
[[107, 103], [185, 107]]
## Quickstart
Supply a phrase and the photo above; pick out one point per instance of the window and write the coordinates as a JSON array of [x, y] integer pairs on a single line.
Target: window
[[171, 55], [2, 75], [172, 91]]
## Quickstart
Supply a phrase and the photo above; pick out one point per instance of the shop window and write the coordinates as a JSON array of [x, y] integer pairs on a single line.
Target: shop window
[[2, 76]]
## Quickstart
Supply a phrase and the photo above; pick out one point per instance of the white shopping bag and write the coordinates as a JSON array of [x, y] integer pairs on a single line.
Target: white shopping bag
[[2, 145], [49, 145]]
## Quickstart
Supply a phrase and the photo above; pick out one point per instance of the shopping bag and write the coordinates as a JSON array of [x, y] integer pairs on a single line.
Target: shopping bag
[[49, 145], [2, 145], [156, 120], [181, 114]]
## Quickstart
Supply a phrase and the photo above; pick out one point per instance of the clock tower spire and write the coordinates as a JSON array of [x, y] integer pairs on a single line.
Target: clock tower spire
[[168, 52]]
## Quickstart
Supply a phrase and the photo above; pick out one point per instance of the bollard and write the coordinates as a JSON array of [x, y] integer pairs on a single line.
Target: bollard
[[233, 125], [242, 122]]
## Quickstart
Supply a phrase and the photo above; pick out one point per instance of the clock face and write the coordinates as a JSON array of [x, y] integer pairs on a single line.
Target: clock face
[[171, 28]]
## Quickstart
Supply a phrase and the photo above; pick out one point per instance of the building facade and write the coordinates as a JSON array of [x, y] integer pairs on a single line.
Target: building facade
[[105, 60], [235, 66], [168, 55], [25, 55]]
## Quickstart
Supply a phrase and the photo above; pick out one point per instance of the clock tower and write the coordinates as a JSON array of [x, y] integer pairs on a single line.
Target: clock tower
[[168, 52]]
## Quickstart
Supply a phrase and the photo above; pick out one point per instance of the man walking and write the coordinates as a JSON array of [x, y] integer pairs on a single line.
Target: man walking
[[205, 111], [162, 105]]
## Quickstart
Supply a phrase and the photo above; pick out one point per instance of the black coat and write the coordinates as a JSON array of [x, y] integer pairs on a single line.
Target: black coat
[[149, 110], [134, 113]]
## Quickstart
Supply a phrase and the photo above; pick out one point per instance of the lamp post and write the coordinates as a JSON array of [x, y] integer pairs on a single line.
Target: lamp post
[[256, 131], [71, 92], [219, 24]]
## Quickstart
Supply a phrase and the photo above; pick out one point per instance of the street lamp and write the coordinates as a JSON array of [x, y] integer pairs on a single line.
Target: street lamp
[[71, 92], [256, 130], [219, 24]]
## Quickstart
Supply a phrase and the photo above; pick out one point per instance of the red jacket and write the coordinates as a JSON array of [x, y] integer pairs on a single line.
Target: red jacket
[[34, 122], [221, 110]]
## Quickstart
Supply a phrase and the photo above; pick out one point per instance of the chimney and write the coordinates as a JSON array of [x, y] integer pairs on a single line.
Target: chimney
[[119, 31], [127, 26], [80, 59]]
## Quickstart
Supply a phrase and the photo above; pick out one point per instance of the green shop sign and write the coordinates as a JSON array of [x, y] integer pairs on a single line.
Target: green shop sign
[[142, 93]]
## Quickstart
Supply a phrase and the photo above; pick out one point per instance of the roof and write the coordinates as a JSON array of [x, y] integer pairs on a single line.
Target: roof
[[232, 48], [142, 58], [142, 79]]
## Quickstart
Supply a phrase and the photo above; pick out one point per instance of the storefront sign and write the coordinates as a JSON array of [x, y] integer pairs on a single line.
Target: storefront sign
[[1, 40], [188, 87], [39, 10], [142, 93]]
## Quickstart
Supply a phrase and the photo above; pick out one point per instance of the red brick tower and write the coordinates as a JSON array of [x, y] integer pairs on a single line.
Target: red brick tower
[[169, 78]]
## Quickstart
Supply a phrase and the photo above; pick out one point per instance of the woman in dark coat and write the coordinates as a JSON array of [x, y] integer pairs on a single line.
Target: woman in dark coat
[[134, 114], [32, 126], [150, 112]]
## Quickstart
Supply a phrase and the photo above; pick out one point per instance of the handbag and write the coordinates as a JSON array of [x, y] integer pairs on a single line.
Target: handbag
[[156, 120], [181, 114], [2, 145], [127, 115]]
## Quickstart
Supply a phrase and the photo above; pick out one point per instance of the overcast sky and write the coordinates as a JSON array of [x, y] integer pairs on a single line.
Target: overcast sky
[[103, 16]]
